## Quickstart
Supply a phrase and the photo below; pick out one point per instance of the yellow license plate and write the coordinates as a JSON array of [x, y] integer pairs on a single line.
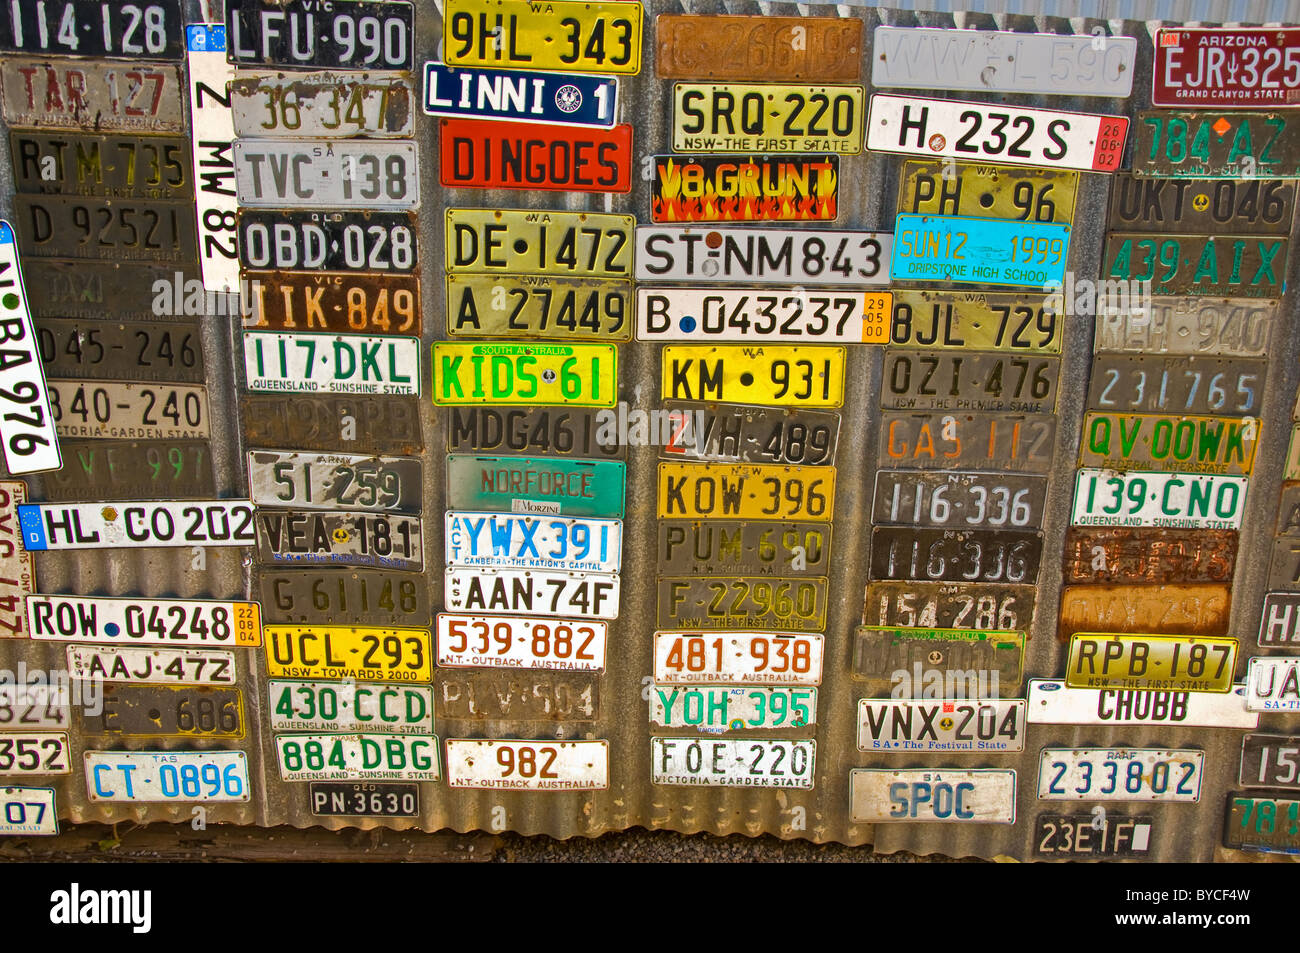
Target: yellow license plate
[[581, 375], [339, 651], [976, 321], [740, 374], [739, 491], [534, 306], [559, 35], [766, 119], [561, 244], [938, 187], [1151, 662]]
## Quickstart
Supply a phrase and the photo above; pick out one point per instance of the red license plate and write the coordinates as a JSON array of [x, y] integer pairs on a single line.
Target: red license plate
[[1241, 68], [485, 154]]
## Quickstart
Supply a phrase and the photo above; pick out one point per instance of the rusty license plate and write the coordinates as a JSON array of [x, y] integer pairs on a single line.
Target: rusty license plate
[[1284, 566], [1013, 442], [355, 240], [155, 711], [321, 105], [333, 422], [729, 433], [60, 226], [963, 500], [1242, 266], [344, 303], [1198, 609], [344, 596], [736, 548], [919, 380], [936, 187], [335, 481], [116, 409], [944, 555], [1214, 144], [1201, 206], [534, 431], [121, 350], [1231, 327], [133, 470], [976, 321], [758, 48], [796, 604], [1203, 386], [1168, 442], [124, 166], [1150, 555], [486, 695], [104, 96], [96, 289], [944, 605], [536, 306], [339, 539], [960, 663]]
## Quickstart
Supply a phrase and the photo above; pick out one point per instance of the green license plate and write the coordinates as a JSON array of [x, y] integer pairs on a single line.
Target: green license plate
[[1216, 145], [583, 375], [536, 485], [1239, 266]]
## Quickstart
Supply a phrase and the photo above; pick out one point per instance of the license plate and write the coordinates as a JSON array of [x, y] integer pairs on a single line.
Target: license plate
[[529, 765], [763, 256], [536, 485], [1284, 567], [718, 709], [1226, 68], [932, 187], [345, 596], [987, 61], [954, 726], [1223, 445], [949, 605], [33, 707], [767, 119], [945, 555], [1051, 702], [1123, 774], [1288, 510], [341, 799], [148, 711], [1204, 207], [773, 375], [1014, 442], [1151, 556], [377, 304], [981, 796], [756, 548], [954, 663], [486, 695], [1255, 145], [986, 251], [1175, 500], [60, 226], [161, 665], [1269, 761], [116, 350], [1183, 385], [104, 410], [381, 243], [310, 105], [366, 174], [1273, 684], [738, 763], [1075, 836], [331, 363], [761, 492], [553, 431], [686, 314], [583, 375], [169, 622], [17, 565], [92, 28], [957, 499], [716, 433], [520, 96], [365, 756], [583, 595], [1291, 469], [1169, 609], [328, 706], [1244, 266], [166, 775], [1046, 138], [1232, 327], [348, 652], [27, 431], [340, 539], [348, 35], [145, 167], [1114, 660], [34, 753], [87, 290], [483, 154], [528, 306], [948, 381], [170, 523], [759, 48], [744, 188], [1267, 824], [104, 96], [325, 422], [505, 541], [335, 481], [1279, 623], [565, 37], [470, 641], [212, 131], [793, 604], [28, 812], [539, 242], [746, 658]]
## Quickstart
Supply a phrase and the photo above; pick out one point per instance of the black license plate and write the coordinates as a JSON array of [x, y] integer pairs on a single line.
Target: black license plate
[[121, 350], [1258, 822], [1279, 623], [379, 242], [1016, 442], [534, 431], [1234, 266], [354, 799], [1181, 385], [349, 34], [735, 548], [339, 539], [1270, 761], [346, 303], [53, 226], [942, 555], [1084, 836], [727, 433], [150, 30], [326, 422], [151, 711], [959, 500], [100, 289], [1201, 206], [122, 166], [921, 380], [965, 661], [949, 605], [132, 470], [1149, 555], [344, 597], [515, 696]]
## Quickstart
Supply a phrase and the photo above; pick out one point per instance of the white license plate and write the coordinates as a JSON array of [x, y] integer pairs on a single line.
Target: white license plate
[[682, 658], [981, 796], [335, 481], [287, 173], [1045, 138], [212, 131], [952, 726], [719, 708], [28, 707], [139, 663], [1051, 702], [733, 763], [351, 706], [1273, 684], [27, 432], [34, 752], [322, 105], [990, 61], [1172, 500], [509, 541], [166, 775], [763, 256], [586, 595], [494, 641], [331, 363], [788, 314], [1119, 774], [17, 569], [28, 812], [366, 757], [130, 411], [529, 765], [170, 622], [129, 525]]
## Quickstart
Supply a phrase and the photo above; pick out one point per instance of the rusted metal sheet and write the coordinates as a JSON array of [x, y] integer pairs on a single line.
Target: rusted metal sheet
[[762, 48], [1173, 609], [1158, 556]]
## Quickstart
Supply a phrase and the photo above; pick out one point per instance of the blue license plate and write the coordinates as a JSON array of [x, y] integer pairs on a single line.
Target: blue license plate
[[986, 251], [519, 96]]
